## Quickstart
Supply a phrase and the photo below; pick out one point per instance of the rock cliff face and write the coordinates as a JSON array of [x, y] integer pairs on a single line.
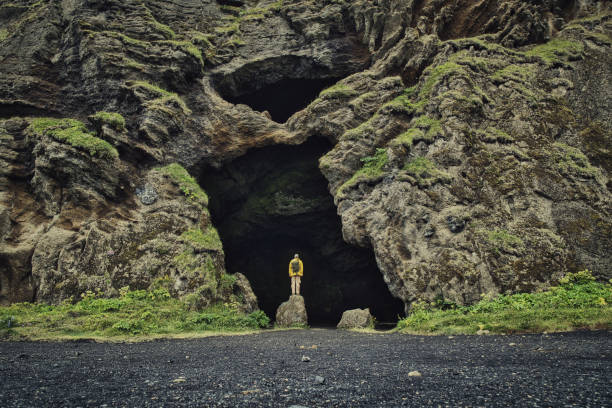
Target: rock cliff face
[[471, 139]]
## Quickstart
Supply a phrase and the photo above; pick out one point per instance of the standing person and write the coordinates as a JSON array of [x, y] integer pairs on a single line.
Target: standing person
[[296, 271]]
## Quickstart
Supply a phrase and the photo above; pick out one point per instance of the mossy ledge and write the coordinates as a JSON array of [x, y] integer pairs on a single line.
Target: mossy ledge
[[74, 133]]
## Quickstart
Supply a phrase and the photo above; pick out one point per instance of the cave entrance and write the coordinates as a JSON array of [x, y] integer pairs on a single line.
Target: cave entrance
[[283, 98], [272, 203]]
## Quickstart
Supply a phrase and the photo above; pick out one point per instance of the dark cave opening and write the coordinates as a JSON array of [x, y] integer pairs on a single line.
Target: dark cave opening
[[272, 203], [283, 98]]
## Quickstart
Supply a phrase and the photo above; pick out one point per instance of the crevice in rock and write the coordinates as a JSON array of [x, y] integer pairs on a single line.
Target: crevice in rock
[[273, 202], [285, 97]]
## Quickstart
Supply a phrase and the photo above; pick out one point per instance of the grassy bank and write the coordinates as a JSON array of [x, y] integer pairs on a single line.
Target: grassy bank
[[133, 315], [579, 302]]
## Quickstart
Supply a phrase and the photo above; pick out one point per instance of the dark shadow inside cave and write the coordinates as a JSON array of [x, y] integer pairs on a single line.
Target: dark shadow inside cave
[[283, 98], [273, 202]]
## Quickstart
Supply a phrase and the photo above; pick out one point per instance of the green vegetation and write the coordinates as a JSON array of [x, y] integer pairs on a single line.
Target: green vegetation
[[503, 241], [578, 302], [186, 183], [338, 91], [571, 160], [136, 314], [112, 119], [557, 50], [516, 72], [187, 47], [423, 172], [408, 138], [74, 133], [203, 240], [371, 170], [164, 97], [149, 87], [432, 127], [131, 63], [437, 74], [404, 103], [3, 34], [492, 135]]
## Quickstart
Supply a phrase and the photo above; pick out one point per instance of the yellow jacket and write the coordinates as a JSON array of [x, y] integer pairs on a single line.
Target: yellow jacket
[[300, 272]]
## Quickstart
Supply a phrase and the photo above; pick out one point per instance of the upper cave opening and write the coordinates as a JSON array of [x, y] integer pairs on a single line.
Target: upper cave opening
[[272, 203], [283, 98]]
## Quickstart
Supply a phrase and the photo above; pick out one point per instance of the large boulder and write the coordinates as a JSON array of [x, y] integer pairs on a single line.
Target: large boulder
[[242, 288], [292, 312], [356, 319]]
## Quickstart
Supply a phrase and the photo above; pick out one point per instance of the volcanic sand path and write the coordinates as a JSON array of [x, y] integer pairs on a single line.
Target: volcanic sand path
[[359, 369]]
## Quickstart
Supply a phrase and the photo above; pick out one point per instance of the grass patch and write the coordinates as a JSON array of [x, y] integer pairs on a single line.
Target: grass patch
[[502, 241], [408, 138], [187, 47], [371, 170], [515, 72], [134, 314], [493, 135], [338, 91], [112, 119], [424, 173], [437, 74], [163, 97], [557, 50], [3, 34], [74, 133], [403, 104], [578, 302], [571, 160], [199, 239], [186, 183]]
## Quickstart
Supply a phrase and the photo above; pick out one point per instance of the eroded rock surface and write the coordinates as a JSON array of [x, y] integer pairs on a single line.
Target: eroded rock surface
[[471, 138]]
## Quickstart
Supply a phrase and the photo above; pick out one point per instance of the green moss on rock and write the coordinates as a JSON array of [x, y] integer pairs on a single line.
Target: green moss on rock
[[502, 241], [74, 133], [571, 160], [338, 91], [424, 173], [201, 240], [557, 51], [112, 119], [372, 169], [186, 183]]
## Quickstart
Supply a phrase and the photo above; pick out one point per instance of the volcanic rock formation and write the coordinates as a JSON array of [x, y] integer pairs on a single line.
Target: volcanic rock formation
[[469, 140]]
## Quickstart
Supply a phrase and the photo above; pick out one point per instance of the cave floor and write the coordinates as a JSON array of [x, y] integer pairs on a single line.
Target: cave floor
[[359, 370]]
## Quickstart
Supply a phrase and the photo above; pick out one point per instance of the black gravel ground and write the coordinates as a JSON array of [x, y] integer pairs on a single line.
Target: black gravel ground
[[357, 370]]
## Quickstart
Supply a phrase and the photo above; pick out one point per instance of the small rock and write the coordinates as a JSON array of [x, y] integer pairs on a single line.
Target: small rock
[[146, 194], [512, 344], [179, 380], [414, 374], [455, 225], [319, 379], [305, 359], [481, 332]]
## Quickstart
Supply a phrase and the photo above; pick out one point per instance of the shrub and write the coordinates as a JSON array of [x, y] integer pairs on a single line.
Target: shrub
[[580, 302], [133, 313]]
